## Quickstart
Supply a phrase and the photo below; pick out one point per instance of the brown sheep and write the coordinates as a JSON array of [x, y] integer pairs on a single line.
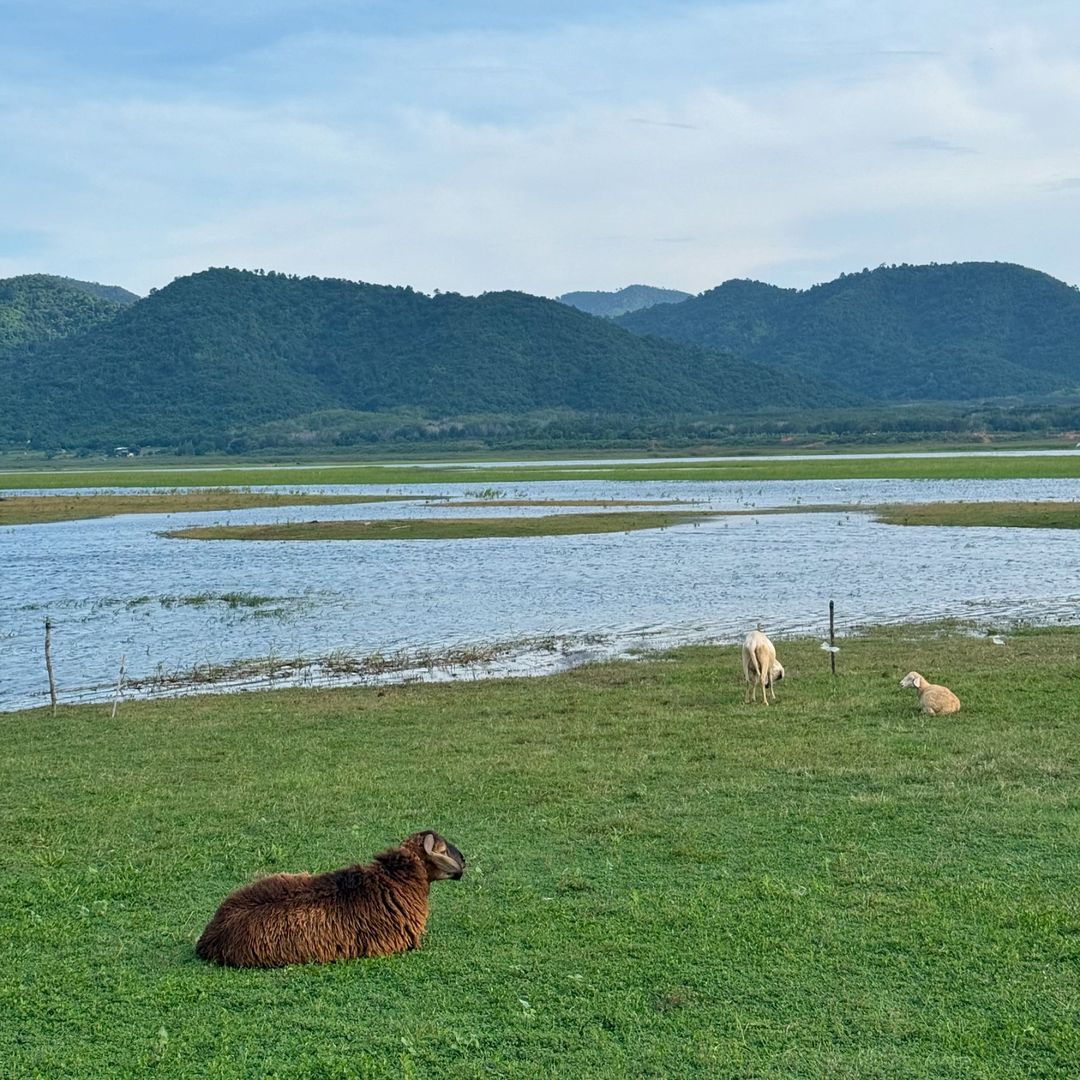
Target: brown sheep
[[760, 666], [934, 700], [370, 910]]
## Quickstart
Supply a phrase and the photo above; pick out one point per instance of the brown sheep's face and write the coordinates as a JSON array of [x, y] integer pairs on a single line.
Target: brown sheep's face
[[441, 858]]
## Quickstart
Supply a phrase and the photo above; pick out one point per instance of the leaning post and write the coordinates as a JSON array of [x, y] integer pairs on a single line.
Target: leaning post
[[48, 662]]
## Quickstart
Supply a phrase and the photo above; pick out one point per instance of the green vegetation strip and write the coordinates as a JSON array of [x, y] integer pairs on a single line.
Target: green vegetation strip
[[1013, 515], [30, 509], [445, 528], [36, 509], [661, 880], [959, 466], [1035, 515]]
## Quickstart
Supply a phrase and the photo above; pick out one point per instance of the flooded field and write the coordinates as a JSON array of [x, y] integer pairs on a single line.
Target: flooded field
[[233, 613]]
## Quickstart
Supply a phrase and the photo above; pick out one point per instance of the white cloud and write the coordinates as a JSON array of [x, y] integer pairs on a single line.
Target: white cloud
[[760, 140]]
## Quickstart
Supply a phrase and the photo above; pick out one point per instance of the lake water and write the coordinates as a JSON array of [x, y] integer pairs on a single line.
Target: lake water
[[113, 588]]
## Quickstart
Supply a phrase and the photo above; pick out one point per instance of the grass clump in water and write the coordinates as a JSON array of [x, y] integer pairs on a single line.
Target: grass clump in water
[[38, 509], [446, 528]]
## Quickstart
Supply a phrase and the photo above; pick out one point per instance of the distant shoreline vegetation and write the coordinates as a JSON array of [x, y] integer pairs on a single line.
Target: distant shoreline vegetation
[[405, 431], [838, 467]]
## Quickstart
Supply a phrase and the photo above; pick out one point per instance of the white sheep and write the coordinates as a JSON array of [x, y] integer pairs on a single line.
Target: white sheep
[[934, 700], [760, 666]]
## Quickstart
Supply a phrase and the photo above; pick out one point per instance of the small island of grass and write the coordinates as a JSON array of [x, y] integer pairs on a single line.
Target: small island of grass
[[447, 528], [1005, 515]]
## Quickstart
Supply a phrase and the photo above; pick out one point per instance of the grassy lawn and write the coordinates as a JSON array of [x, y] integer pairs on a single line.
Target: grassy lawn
[[34, 509], [1014, 515], [958, 466], [445, 528], [661, 882]]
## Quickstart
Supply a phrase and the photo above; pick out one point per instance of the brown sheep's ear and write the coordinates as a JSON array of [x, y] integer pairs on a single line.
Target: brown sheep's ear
[[439, 857]]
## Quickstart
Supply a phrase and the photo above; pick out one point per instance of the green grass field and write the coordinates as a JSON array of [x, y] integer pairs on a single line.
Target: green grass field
[[661, 882], [957, 466]]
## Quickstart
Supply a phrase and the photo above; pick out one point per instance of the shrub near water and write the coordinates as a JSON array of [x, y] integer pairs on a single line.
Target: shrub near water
[[661, 880]]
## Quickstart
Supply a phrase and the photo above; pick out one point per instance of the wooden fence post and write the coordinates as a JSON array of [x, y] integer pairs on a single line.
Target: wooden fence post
[[48, 662]]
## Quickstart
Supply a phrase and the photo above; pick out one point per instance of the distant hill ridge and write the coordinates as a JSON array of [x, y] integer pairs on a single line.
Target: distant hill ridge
[[630, 298], [936, 332], [36, 308], [104, 292], [229, 351]]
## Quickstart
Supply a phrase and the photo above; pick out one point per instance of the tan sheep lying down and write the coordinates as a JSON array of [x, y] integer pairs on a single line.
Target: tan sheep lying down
[[934, 700], [370, 910]]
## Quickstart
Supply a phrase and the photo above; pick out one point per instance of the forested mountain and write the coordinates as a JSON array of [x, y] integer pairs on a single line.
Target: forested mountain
[[40, 307], [229, 356], [224, 350], [630, 298], [944, 332]]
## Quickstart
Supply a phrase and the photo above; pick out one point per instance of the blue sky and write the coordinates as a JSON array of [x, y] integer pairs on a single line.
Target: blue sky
[[471, 147]]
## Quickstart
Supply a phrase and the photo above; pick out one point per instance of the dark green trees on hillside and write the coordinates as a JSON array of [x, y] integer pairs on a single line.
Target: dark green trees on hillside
[[937, 332], [225, 350], [216, 358], [36, 308]]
